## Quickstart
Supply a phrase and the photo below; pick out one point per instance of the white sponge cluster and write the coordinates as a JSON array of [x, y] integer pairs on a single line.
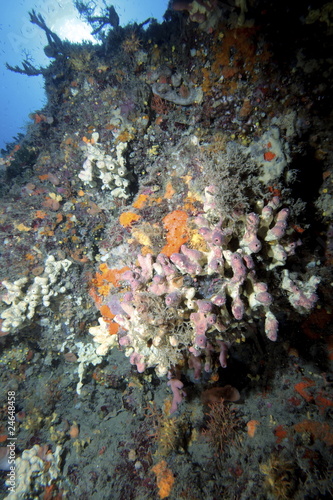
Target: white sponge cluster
[[102, 337], [87, 355], [23, 298], [100, 165], [33, 465]]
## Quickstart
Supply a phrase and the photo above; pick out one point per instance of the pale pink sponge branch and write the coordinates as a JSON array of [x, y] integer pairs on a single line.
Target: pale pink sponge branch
[[178, 393]]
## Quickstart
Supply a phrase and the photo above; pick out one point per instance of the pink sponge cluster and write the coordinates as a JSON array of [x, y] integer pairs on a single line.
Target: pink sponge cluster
[[196, 303]]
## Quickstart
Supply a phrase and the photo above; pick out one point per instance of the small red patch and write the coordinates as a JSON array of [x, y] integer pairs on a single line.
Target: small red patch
[[269, 156]]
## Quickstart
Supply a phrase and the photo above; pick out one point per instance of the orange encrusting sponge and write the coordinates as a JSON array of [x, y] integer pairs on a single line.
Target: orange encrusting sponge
[[176, 225], [164, 478]]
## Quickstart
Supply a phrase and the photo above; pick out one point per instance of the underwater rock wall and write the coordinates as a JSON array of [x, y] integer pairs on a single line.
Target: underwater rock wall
[[172, 204]]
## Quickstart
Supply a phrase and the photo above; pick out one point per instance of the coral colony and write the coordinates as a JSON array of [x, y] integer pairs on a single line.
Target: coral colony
[[197, 302]]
